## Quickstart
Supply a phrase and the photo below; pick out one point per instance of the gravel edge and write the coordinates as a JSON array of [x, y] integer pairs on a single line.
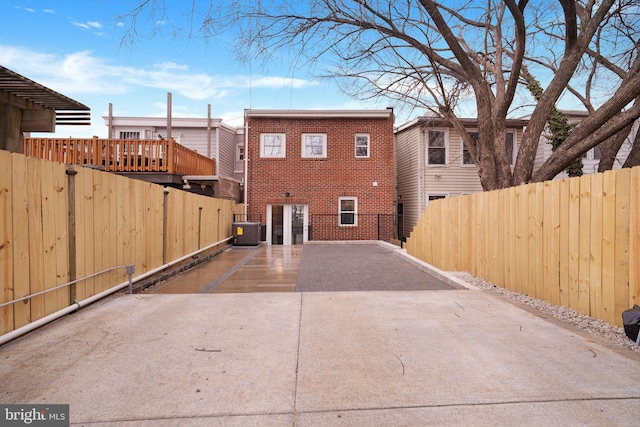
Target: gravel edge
[[608, 332]]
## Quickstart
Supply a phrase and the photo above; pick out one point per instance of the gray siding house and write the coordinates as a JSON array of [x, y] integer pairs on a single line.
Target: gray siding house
[[212, 138]]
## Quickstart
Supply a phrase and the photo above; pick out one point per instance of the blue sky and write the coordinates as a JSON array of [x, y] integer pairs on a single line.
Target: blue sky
[[74, 47]]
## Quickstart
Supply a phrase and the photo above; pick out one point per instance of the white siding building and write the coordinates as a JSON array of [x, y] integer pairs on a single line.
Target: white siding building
[[209, 137]]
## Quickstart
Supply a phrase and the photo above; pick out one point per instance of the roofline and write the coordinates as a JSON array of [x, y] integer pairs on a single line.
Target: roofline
[[466, 121], [319, 114], [190, 122]]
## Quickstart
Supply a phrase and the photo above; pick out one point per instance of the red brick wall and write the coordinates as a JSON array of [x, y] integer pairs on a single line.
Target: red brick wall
[[320, 182]]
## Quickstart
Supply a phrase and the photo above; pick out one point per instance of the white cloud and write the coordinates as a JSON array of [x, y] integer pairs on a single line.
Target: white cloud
[[49, 11], [85, 73]]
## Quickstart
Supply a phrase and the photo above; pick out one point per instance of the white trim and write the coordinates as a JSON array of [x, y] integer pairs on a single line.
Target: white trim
[[372, 114], [355, 211], [446, 147], [355, 145], [303, 146], [283, 147]]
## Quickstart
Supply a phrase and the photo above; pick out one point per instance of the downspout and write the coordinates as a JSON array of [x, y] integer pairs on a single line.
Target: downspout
[[246, 165]]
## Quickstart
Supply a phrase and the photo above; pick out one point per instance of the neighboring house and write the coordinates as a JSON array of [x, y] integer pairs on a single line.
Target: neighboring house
[[209, 137], [27, 106], [320, 175], [591, 158], [433, 163]]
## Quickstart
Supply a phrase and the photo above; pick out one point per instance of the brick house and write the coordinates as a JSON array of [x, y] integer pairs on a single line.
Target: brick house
[[320, 175]]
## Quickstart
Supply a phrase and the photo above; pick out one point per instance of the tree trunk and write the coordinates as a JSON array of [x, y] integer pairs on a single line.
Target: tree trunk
[[609, 149], [634, 155]]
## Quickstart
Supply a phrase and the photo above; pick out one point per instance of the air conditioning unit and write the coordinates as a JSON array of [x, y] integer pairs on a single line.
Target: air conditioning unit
[[246, 233]]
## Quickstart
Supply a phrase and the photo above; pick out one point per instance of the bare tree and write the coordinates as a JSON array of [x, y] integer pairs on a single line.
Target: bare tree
[[431, 55]]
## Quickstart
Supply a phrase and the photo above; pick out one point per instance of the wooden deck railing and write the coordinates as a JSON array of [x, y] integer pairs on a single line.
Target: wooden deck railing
[[122, 155]]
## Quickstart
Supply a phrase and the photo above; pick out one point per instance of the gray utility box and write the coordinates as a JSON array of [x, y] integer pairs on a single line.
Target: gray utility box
[[246, 233]]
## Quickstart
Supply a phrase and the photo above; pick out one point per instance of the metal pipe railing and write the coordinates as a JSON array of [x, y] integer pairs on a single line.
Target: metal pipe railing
[[129, 270]]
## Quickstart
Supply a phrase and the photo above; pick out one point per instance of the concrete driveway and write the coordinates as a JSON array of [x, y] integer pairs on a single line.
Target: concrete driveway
[[411, 358]]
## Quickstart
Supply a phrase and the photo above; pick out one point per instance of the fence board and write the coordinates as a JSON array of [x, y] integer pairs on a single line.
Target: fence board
[[522, 227], [607, 305], [538, 236], [574, 243], [621, 280], [34, 218], [20, 204], [6, 240], [634, 239], [595, 249], [100, 225], [563, 247], [584, 246], [550, 246]]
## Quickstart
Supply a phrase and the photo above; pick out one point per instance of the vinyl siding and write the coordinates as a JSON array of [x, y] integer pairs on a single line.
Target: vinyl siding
[[408, 176], [227, 147]]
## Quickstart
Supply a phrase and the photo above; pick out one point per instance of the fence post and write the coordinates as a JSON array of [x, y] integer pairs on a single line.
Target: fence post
[[71, 224], [164, 225]]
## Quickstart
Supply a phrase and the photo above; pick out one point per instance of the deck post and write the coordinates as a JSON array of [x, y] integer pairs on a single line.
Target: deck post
[[171, 154]]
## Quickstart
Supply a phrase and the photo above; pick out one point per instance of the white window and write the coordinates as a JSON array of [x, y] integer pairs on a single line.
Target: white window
[[239, 152], [362, 145], [314, 145], [273, 145], [129, 134], [437, 147], [348, 211]]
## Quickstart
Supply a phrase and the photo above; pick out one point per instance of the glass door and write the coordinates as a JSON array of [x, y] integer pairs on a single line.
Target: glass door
[[287, 224]]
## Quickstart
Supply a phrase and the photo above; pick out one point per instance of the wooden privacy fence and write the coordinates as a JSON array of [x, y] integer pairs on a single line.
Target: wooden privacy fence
[[122, 155], [59, 224], [573, 242]]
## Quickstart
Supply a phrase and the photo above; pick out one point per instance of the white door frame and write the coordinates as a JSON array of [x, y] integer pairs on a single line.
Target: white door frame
[[286, 229]]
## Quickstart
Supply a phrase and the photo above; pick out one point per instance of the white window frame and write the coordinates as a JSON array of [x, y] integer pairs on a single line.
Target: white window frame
[[446, 147], [283, 147], [239, 152], [341, 212], [356, 146], [304, 146]]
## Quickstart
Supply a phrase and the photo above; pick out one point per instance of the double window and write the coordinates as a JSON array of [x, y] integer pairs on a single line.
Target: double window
[[273, 145], [348, 211]]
